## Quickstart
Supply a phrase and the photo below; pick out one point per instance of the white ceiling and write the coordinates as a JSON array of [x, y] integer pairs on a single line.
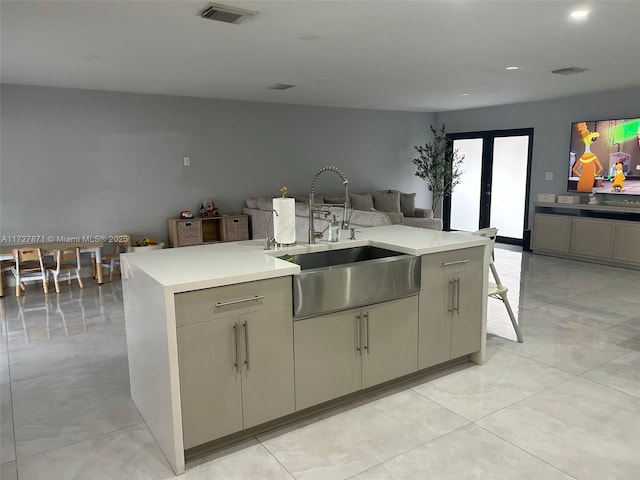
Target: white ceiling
[[393, 54]]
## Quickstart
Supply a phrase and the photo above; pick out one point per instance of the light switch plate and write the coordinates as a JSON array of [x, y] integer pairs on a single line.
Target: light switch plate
[[548, 176]]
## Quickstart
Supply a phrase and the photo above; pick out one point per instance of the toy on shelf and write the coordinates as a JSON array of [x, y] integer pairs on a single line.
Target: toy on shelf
[[185, 214], [208, 209]]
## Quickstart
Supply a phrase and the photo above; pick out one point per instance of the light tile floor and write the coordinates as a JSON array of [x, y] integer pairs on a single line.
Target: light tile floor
[[564, 404]]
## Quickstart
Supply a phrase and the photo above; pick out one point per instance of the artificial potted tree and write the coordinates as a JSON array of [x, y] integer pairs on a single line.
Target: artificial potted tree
[[439, 165]]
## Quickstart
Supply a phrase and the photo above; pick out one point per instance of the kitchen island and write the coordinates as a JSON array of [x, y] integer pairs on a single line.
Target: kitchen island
[[211, 333]]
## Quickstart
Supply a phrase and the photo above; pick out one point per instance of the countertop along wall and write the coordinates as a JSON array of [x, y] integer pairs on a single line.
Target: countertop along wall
[[82, 162], [551, 121]]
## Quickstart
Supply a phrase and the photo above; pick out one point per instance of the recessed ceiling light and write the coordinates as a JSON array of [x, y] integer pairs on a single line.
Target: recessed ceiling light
[[579, 14], [464, 94], [308, 38], [91, 57], [512, 68]]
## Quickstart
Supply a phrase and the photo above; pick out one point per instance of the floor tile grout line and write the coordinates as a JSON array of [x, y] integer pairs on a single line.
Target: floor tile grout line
[[525, 451], [26, 457], [609, 387], [274, 456]]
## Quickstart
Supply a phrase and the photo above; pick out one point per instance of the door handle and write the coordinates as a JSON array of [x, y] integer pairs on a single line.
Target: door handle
[[457, 285], [242, 300], [366, 345], [455, 263], [359, 339], [235, 344], [246, 344], [450, 309]]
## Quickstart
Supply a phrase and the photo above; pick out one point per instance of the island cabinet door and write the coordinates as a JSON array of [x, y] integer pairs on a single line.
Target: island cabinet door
[[466, 318], [267, 365], [390, 344], [434, 327], [327, 357], [210, 380]]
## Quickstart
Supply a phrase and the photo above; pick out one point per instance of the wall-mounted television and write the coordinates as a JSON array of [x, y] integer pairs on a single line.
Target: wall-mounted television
[[604, 157]]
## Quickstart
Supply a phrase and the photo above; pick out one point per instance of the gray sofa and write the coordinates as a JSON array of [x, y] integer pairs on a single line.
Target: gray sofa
[[370, 209]]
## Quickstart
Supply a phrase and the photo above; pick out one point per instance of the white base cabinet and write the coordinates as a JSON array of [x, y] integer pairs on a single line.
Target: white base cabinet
[[451, 297], [340, 353], [235, 358]]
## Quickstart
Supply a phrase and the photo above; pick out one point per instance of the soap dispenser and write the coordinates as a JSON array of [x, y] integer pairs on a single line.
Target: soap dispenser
[[334, 230]]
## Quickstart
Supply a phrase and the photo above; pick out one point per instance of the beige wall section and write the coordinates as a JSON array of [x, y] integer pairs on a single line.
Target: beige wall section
[[104, 162]]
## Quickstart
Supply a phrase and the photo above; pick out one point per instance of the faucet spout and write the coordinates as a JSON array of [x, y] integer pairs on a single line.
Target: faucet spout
[[268, 241], [312, 210]]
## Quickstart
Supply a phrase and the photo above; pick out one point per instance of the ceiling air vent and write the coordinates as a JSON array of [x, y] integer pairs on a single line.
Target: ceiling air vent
[[281, 86], [222, 13], [569, 70]]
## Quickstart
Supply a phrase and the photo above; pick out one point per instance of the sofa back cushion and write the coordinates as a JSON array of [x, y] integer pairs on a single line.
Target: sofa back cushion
[[252, 203], [265, 203], [387, 202], [362, 201], [408, 204], [334, 200]]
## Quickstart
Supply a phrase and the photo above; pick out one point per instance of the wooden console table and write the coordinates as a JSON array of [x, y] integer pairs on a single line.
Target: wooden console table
[[202, 230]]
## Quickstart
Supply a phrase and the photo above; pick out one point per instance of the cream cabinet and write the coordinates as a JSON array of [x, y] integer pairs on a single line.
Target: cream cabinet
[[592, 237], [235, 358], [450, 314], [607, 234], [626, 243], [340, 353], [551, 232]]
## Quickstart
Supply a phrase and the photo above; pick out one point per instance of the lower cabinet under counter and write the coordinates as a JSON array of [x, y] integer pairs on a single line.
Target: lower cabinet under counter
[[340, 353]]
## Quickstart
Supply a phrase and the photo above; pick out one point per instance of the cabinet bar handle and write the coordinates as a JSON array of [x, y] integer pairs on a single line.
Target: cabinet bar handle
[[358, 345], [235, 343], [366, 345], [450, 309], [242, 300], [455, 263], [246, 344], [457, 283]]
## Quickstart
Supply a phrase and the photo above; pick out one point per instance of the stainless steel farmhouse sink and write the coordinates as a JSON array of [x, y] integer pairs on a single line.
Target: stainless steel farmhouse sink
[[347, 278]]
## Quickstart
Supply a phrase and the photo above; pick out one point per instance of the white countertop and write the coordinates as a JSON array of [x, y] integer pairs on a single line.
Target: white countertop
[[204, 266]]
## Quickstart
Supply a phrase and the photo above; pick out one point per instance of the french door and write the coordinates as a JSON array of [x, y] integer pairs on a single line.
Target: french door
[[494, 186]]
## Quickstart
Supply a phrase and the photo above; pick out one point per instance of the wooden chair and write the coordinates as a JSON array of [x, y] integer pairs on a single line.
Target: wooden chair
[[112, 260], [497, 290], [28, 266], [4, 267], [67, 264]]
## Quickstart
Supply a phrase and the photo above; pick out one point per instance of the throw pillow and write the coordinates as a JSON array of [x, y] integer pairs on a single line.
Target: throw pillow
[[361, 201], [265, 203], [387, 202], [408, 204]]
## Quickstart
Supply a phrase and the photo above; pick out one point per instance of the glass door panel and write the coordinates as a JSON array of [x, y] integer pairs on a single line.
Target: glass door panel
[[465, 201], [509, 185]]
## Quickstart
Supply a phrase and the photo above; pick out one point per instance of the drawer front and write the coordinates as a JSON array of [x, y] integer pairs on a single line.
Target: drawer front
[[219, 302], [236, 228], [189, 232], [453, 261]]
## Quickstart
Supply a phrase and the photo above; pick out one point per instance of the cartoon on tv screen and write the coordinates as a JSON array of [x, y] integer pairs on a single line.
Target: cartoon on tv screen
[[604, 157]]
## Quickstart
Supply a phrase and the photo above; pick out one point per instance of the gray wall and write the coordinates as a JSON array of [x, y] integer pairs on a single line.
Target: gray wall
[[78, 162], [551, 121]]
